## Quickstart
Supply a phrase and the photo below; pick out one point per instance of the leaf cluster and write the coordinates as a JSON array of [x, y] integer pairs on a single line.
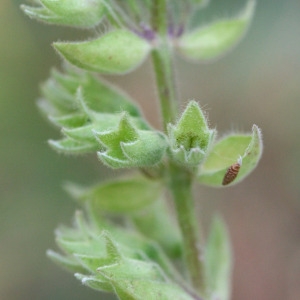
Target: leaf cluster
[[127, 242]]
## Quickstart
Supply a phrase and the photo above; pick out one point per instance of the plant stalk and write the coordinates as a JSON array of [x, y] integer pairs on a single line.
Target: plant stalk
[[162, 60], [181, 179], [180, 185]]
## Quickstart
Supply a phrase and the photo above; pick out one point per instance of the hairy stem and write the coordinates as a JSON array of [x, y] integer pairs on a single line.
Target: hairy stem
[[162, 60], [180, 183], [181, 189], [162, 63]]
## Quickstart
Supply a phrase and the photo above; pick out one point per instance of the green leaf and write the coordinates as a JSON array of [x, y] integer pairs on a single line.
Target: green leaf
[[107, 255], [69, 121], [70, 146], [81, 92], [148, 289], [92, 262], [67, 262], [125, 195], [214, 40], [59, 97], [117, 52], [86, 133], [93, 247], [101, 96], [147, 150], [217, 262], [89, 247], [136, 246], [127, 146], [112, 139], [135, 279], [76, 13], [70, 79], [226, 152], [132, 269], [81, 104], [102, 123]]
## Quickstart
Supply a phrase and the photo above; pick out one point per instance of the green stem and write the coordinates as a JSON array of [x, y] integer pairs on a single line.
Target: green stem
[[162, 59], [181, 179], [181, 190], [165, 83], [159, 20]]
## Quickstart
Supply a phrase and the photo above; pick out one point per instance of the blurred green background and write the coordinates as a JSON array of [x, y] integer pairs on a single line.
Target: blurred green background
[[258, 82]]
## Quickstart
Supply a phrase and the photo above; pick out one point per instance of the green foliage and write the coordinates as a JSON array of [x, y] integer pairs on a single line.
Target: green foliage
[[116, 52], [139, 200], [218, 262], [108, 196], [244, 147], [212, 41], [110, 258], [79, 103], [78, 13], [129, 147], [126, 241]]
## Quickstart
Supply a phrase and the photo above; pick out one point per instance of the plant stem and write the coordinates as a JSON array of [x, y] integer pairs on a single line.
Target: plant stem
[[181, 189], [181, 179], [162, 59], [162, 63]]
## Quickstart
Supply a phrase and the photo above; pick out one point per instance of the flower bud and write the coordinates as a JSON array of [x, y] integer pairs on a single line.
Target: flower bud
[[191, 138]]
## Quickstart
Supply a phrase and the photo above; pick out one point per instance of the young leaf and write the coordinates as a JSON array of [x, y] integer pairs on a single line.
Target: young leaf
[[127, 146], [81, 92], [217, 262], [128, 289], [136, 279], [116, 52], [214, 40], [69, 121], [101, 96], [244, 147], [71, 146], [76, 13], [126, 195], [147, 150], [67, 262], [59, 97], [85, 133]]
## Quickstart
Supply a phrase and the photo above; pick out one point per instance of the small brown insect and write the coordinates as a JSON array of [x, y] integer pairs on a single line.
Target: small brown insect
[[232, 172]]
